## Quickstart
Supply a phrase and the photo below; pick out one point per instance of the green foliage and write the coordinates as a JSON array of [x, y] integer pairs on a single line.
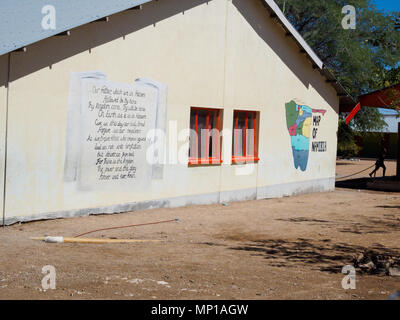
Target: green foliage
[[347, 147], [389, 78], [369, 119], [372, 144], [364, 59], [397, 20]]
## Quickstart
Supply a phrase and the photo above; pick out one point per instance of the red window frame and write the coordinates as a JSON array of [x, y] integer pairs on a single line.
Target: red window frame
[[236, 158], [196, 160]]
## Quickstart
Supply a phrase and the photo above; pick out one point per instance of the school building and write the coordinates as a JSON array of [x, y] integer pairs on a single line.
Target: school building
[[113, 106]]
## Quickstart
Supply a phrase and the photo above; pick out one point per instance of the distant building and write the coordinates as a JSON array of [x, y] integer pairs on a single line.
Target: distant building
[[372, 142], [392, 120]]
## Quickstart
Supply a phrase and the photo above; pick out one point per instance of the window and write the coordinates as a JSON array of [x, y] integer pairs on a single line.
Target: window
[[245, 136], [205, 140]]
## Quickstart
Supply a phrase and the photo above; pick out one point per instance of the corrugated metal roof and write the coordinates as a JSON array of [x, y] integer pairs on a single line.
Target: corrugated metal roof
[[21, 20]]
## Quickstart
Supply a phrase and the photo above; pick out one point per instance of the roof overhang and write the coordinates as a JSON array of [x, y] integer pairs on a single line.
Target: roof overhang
[[382, 98], [275, 12], [21, 20], [20, 26]]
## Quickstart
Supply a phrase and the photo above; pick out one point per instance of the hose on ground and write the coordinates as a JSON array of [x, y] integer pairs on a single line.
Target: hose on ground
[[354, 174], [127, 226]]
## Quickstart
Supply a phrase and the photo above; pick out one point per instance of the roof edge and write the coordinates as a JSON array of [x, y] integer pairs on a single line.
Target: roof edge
[[296, 35], [38, 33], [344, 97]]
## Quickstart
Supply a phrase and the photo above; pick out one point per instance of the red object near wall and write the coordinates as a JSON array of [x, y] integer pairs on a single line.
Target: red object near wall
[[353, 113]]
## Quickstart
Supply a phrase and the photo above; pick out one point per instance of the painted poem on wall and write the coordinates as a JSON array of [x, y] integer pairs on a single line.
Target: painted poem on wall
[[115, 121]]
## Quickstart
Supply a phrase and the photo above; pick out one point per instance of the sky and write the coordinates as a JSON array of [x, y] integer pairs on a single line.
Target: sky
[[388, 5]]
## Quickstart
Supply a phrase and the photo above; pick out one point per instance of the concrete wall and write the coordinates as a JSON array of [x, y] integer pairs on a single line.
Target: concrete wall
[[3, 111], [217, 54]]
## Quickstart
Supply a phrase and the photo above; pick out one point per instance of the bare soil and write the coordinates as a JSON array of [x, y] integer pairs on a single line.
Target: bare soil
[[347, 167], [289, 248]]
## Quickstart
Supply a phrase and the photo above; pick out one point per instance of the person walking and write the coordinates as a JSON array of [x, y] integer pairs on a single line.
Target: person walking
[[380, 163]]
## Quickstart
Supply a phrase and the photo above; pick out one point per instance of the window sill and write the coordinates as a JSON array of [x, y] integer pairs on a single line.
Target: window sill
[[242, 160], [210, 161]]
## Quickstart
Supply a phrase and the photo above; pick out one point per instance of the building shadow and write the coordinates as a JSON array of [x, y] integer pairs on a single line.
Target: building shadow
[[47, 52], [387, 184], [52, 50], [287, 50], [389, 207]]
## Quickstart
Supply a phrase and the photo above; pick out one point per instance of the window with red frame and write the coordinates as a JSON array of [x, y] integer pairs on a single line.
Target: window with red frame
[[205, 141], [245, 136]]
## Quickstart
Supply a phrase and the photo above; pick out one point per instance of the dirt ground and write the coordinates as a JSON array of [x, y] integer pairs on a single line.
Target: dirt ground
[[289, 248], [346, 167]]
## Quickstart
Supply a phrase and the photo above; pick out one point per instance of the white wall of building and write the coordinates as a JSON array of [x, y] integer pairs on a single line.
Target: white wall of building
[[216, 54]]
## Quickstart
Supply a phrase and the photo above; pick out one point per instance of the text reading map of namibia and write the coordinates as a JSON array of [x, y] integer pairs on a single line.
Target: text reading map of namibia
[[299, 120]]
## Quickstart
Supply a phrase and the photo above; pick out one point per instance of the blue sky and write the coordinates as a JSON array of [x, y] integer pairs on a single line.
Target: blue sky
[[388, 5]]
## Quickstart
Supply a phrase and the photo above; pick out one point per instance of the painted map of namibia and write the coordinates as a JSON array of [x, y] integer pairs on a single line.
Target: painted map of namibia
[[298, 120]]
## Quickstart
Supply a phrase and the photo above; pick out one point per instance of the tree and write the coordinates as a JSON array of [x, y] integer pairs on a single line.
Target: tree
[[347, 146], [397, 20], [364, 59], [369, 119]]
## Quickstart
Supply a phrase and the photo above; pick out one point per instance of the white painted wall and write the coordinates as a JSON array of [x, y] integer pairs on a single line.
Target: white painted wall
[[219, 54], [3, 107]]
